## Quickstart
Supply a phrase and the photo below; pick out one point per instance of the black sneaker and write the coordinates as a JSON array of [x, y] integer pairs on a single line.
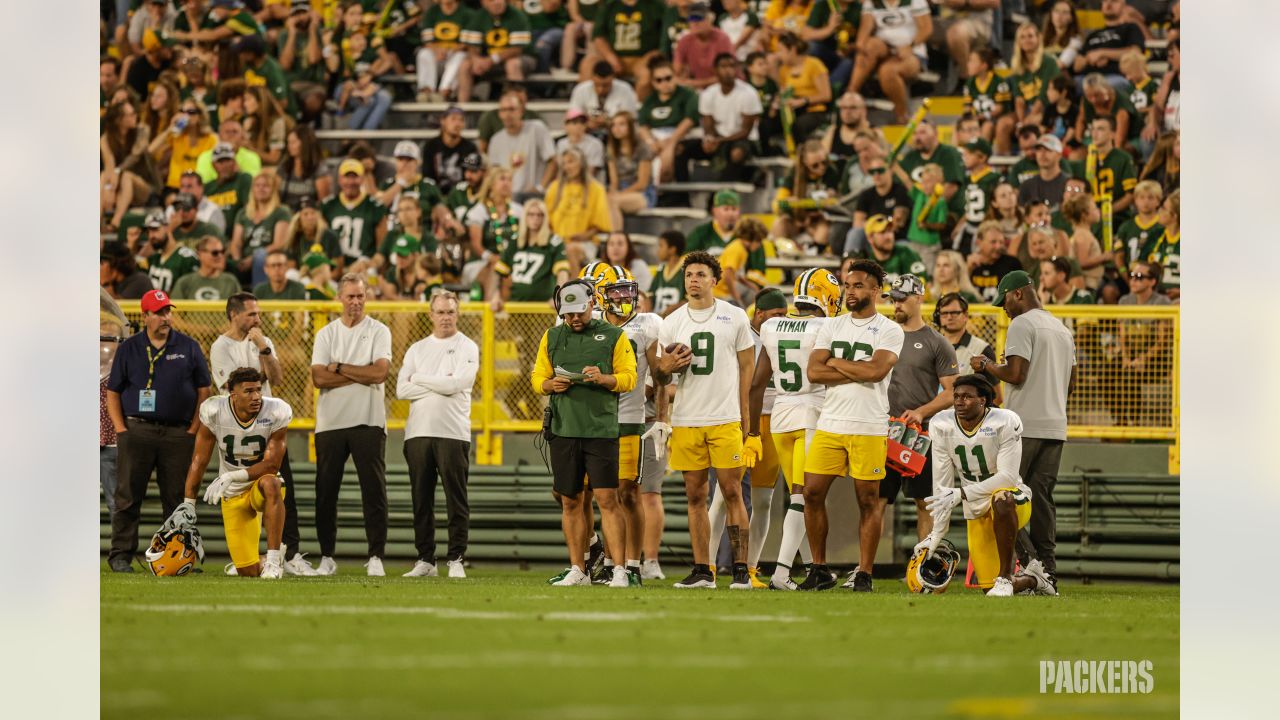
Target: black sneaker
[[698, 579], [603, 575], [862, 581], [595, 557], [120, 564], [820, 578], [741, 577]]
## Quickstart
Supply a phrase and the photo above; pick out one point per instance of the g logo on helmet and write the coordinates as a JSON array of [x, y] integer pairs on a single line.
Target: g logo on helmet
[[175, 552]]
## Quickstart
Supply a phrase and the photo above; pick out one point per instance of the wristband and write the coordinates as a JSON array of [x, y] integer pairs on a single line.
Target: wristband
[[753, 434], [189, 501]]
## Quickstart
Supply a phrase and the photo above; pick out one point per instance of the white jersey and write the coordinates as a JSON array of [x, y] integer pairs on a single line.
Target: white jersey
[[708, 391], [789, 342], [239, 445], [227, 355], [858, 408], [642, 330], [985, 460], [770, 392]]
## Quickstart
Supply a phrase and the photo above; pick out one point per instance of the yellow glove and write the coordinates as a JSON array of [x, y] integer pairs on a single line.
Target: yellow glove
[[752, 450]]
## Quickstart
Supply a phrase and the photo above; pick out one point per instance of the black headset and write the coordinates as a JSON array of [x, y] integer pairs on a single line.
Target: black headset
[[946, 300], [587, 285]]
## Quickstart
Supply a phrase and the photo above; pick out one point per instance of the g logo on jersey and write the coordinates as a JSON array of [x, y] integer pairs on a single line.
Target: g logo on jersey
[[497, 38], [447, 31], [208, 293], [661, 113]]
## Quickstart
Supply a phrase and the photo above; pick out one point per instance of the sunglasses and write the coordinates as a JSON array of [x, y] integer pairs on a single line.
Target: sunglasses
[[190, 111], [215, 253], [664, 78], [876, 171], [950, 313], [1140, 276]]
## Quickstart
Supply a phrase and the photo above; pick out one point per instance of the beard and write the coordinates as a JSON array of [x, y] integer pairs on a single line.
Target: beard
[[857, 305]]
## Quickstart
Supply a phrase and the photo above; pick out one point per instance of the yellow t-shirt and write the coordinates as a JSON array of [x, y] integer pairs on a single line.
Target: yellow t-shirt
[[569, 216], [732, 259], [804, 81], [784, 15], [185, 154]]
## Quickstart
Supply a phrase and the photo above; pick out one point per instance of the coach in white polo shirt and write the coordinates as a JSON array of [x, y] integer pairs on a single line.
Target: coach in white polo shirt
[[437, 375], [349, 364]]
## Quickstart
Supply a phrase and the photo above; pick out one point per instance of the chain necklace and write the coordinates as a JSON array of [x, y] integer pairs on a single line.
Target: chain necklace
[[855, 324], [500, 228], [711, 311]]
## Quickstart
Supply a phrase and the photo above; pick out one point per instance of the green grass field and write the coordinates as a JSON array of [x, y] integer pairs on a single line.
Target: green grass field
[[503, 644]]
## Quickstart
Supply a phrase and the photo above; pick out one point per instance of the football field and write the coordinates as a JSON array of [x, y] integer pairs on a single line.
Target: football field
[[503, 644]]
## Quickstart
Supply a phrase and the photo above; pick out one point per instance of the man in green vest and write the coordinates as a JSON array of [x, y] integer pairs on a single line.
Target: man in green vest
[[584, 364]]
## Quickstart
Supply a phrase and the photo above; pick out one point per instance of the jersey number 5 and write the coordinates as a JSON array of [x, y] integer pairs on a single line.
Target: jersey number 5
[[792, 379]]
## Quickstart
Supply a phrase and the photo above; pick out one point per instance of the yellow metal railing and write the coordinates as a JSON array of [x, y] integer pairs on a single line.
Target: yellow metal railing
[[1115, 396]]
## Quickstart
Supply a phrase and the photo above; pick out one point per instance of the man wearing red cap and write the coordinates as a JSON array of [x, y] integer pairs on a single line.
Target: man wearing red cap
[[157, 382]]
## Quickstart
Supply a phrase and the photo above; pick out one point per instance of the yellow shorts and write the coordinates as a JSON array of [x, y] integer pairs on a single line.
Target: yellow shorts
[[792, 447], [242, 521], [699, 448], [628, 457], [765, 473], [861, 457], [983, 552]]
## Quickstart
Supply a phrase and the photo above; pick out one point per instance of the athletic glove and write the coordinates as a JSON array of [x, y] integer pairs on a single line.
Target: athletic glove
[[218, 488], [940, 505], [752, 450], [927, 545], [659, 434], [182, 517]]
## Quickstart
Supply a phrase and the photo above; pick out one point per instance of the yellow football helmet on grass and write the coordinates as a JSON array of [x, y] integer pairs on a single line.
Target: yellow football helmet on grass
[[175, 552], [820, 288]]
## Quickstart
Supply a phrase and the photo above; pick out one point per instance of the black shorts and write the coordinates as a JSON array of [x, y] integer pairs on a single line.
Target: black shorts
[[916, 488], [575, 460]]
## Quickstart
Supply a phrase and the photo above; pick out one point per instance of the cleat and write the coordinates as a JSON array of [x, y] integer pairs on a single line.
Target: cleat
[[621, 578], [756, 582], [574, 576], [742, 579], [456, 570], [120, 564], [595, 558], [634, 578], [327, 566], [1003, 587], [820, 578], [861, 581], [782, 581], [1044, 583], [230, 569], [848, 582], [603, 575], [299, 566], [375, 567], [422, 568], [697, 579], [555, 579], [271, 570], [651, 570]]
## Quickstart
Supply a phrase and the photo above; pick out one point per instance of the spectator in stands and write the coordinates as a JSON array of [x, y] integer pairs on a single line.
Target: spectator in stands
[[1143, 227], [578, 208], [769, 128], [1116, 175], [140, 71], [349, 365], [118, 273], [896, 258], [490, 122], [675, 25], [1104, 47], [666, 117], [667, 289], [631, 186], [231, 133], [1049, 184], [299, 47], [967, 129], [108, 79], [800, 205], [577, 137], [831, 36], [408, 235], [1005, 210], [183, 216], [262, 70], [885, 197], [158, 111], [1062, 35], [891, 44], [981, 186], [742, 264], [926, 148], [440, 58], [260, 226], [301, 174], [230, 105], [742, 26], [602, 97], [962, 27], [696, 51], [308, 230], [1164, 167], [1167, 249], [805, 85], [712, 237], [929, 215], [265, 126], [1031, 69], [1082, 212], [463, 195], [577, 32], [1062, 110], [496, 37], [1042, 245], [1102, 100], [127, 177], [1144, 285], [1028, 135], [409, 178], [443, 154], [491, 223], [627, 34], [277, 285], [867, 147], [209, 281], [619, 250], [166, 259], [989, 262], [531, 267], [355, 216], [851, 118], [547, 20], [729, 111], [1140, 91], [990, 98], [1167, 99], [186, 139], [317, 276], [783, 16], [526, 147], [230, 187], [951, 277], [363, 100], [1054, 287]]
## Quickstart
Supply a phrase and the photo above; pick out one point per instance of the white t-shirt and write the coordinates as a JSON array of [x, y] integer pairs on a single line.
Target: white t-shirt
[[591, 147], [727, 110], [621, 97], [437, 376], [734, 28], [1041, 400], [534, 143], [708, 391], [642, 330], [226, 355], [986, 461], [246, 444], [354, 404], [789, 343], [858, 408], [896, 26]]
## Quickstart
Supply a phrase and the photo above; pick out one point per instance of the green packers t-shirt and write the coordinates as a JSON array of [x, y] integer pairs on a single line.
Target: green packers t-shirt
[[978, 193], [230, 194], [495, 34], [190, 236], [902, 261], [631, 30], [164, 272], [1133, 236], [354, 224], [946, 156], [666, 292], [846, 32], [533, 269], [260, 235], [293, 290], [682, 105], [989, 96], [445, 29], [1030, 86]]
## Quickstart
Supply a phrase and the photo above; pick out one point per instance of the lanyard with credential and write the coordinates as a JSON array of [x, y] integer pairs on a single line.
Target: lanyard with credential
[[151, 367]]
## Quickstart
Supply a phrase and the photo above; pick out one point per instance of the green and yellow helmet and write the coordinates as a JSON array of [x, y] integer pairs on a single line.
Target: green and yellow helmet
[[932, 574], [820, 288], [617, 291]]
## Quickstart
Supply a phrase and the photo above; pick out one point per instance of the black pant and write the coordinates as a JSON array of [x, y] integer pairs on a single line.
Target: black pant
[[366, 446], [429, 459], [144, 449], [291, 536], [1039, 470]]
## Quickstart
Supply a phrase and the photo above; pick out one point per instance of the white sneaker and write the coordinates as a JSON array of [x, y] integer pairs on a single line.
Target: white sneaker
[[230, 569], [620, 578], [422, 568], [298, 565], [375, 567], [271, 570], [782, 582], [651, 570], [327, 566], [1035, 569], [1002, 588], [456, 570], [575, 577]]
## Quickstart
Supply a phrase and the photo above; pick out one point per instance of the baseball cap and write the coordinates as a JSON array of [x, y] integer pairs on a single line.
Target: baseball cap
[[877, 223], [979, 145], [155, 301], [307, 201], [223, 151], [297, 7], [249, 43], [771, 299], [351, 165], [1050, 142], [904, 286], [453, 109], [698, 10], [726, 197], [185, 201], [405, 246], [1013, 281], [363, 68], [408, 149], [574, 297], [473, 161], [316, 257], [155, 219], [574, 114]]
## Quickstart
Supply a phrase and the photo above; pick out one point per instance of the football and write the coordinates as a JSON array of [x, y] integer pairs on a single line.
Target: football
[[675, 347]]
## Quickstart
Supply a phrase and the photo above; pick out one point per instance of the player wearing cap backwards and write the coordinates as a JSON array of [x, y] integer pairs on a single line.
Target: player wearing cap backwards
[[983, 446], [711, 347], [788, 342], [853, 356], [355, 216], [248, 431]]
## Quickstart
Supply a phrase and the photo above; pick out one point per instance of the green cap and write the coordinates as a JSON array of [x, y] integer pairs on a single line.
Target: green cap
[[979, 145], [315, 257], [771, 299], [1013, 281], [726, 197], [406, 245]]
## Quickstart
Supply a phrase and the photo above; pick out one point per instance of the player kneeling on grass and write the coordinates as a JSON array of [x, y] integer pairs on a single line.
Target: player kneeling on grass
[[249, 432], [983, 445]]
